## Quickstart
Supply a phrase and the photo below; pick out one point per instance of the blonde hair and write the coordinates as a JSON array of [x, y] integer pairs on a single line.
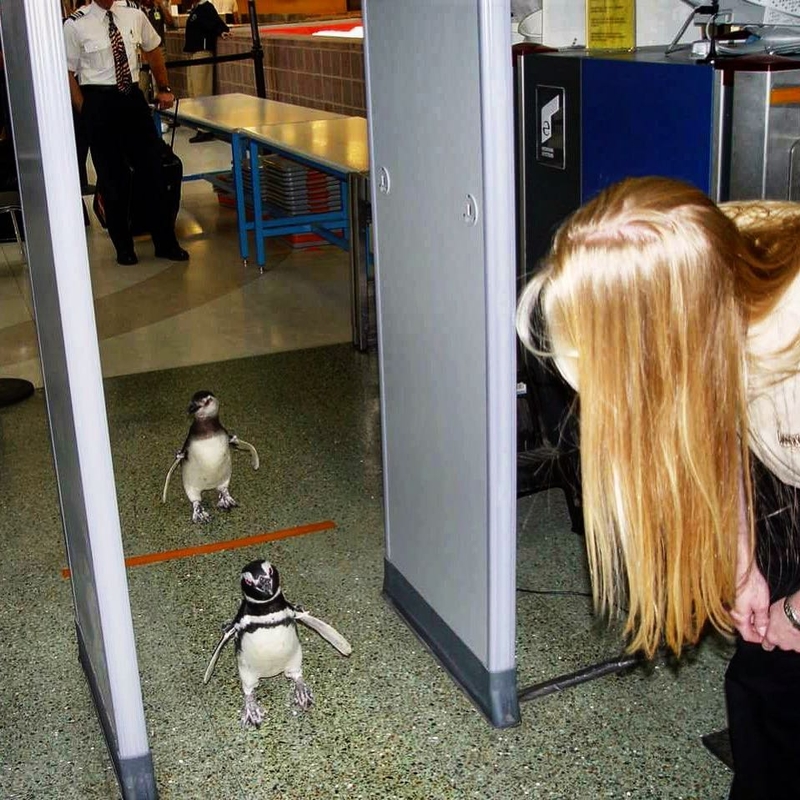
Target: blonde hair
[[646, 296]]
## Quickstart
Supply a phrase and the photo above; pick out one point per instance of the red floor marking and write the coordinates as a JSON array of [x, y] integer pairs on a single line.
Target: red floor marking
[[215, 547]]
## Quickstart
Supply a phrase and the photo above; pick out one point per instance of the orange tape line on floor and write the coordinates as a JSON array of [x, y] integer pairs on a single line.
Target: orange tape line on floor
[[215, 547]]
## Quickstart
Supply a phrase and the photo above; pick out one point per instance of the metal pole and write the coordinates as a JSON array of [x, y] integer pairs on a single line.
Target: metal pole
[[358, 216], [258, 50]]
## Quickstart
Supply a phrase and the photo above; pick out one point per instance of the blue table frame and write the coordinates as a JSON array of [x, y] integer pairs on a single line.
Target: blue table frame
[[335, 147], [324, 224]]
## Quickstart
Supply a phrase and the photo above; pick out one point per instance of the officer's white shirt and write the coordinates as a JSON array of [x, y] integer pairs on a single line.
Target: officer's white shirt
[[774, 405], [88, 44]]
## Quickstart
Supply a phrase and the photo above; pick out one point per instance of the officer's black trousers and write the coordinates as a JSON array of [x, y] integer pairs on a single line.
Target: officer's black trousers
[[81, 146], [122, 135], [763, 688]]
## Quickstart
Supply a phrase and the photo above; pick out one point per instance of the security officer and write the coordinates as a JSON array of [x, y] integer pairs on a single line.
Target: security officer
[[101, 43], [159, 14], [203, 27]]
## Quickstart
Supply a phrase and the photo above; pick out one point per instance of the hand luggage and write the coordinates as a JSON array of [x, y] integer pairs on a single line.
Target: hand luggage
[[173, 177], [139, 196]]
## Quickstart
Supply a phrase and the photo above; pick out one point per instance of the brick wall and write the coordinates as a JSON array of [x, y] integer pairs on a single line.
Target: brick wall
[[316, 72]]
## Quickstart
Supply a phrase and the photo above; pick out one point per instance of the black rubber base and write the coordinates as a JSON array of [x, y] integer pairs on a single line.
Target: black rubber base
[[14, 390], [493, 693]]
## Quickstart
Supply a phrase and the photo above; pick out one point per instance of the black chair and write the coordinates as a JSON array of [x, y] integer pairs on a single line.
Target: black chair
[[548, 455], [10, 203], [13, 390]]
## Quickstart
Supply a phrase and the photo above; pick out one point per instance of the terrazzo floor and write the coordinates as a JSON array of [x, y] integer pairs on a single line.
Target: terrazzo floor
[[388, 722]]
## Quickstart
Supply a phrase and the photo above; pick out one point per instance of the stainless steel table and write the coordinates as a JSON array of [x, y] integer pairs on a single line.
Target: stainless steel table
[[224, 114]]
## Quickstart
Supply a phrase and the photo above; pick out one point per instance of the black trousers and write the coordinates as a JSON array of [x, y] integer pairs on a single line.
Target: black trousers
[[762, 689], [763, 695], [81, 146], [122, 135]]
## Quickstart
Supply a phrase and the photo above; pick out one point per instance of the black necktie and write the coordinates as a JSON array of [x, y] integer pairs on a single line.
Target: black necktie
[[121, 67]]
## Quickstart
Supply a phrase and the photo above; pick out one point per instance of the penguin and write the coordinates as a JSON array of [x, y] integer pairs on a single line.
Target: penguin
[[205, 457], [267, 644]]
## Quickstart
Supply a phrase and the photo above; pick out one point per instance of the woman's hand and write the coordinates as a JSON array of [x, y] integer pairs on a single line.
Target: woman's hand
[[781, 633], [751, 612]]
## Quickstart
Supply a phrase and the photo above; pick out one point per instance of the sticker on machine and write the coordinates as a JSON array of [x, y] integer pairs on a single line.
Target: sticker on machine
[[550, 126]]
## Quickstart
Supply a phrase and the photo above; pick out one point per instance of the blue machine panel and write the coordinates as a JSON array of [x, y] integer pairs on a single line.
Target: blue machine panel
[[641, 118]]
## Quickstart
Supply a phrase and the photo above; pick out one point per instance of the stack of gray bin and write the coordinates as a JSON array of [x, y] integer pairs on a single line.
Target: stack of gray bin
[[292, 189]]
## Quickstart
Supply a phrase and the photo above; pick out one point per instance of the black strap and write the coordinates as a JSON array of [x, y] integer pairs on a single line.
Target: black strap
[[174, 125]]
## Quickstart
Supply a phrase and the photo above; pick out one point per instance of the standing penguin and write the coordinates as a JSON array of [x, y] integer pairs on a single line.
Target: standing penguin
[[205, 457], [267, 643]]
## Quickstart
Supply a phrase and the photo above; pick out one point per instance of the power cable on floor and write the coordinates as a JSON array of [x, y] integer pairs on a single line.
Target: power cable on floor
[[619, 663], [554, 592]]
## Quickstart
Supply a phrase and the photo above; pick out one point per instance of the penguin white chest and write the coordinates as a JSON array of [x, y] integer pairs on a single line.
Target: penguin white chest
[[267, 652], [208, 463]]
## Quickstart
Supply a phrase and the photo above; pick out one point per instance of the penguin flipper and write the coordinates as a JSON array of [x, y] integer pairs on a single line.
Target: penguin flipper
[[254, 461], [327, 632], [226, 637], [175, 463]]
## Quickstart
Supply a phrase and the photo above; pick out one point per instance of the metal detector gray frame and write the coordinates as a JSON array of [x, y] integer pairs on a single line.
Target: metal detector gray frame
[[33, 49], [441, 142]]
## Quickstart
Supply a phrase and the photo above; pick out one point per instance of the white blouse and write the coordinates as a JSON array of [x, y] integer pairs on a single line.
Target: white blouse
[[774, 406]]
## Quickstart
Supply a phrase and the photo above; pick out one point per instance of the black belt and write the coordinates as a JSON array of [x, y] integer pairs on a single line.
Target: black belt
[[104, 87]]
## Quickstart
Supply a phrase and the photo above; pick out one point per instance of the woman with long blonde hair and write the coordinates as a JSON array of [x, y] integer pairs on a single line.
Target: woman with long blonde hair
[[678, 323]]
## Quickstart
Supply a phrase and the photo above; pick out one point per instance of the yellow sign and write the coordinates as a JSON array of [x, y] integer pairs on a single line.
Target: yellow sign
[[611, 24]]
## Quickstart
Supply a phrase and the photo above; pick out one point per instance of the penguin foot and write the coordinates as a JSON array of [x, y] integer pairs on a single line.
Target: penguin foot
[[199, 514], [226, 502], [302, 695], [252, 713]]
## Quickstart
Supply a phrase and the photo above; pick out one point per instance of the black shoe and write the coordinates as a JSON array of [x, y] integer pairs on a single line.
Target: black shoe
[[127, 258], [174, 253], [202, 136]]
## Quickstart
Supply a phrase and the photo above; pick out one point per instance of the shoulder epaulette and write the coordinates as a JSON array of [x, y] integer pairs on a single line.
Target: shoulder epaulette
[[79, 13], [131, 4]]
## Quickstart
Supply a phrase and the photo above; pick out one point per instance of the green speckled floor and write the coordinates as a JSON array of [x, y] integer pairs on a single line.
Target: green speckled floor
[[388, 722]]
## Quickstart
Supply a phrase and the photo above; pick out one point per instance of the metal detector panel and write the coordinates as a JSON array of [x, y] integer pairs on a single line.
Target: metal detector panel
[[42, 123], [439, 89]]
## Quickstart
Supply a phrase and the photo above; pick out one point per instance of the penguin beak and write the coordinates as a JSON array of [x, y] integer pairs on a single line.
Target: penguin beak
[[196, 405], [204, 402], [263, 583]]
